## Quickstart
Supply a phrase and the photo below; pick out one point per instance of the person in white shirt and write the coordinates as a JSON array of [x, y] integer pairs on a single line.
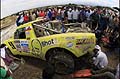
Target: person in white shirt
[[88, 20], [21, 21], [75, 15], [8, 59], [69, 13], [4, 55], [100, 58]]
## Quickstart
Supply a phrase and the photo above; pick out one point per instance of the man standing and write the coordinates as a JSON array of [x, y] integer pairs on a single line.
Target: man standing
[[69, 13], [75, 15], [94, 18]]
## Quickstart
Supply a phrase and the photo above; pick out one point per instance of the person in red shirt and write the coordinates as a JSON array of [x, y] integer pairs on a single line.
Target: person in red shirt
[[26, 18], [41, 13]]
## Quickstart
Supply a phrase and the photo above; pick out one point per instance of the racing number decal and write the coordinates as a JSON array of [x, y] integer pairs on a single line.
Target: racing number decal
[[36, 47], [11, 44]]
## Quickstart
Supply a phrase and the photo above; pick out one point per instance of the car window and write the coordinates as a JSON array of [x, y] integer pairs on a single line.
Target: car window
[[39, 32], [57, 26], [20, 34]]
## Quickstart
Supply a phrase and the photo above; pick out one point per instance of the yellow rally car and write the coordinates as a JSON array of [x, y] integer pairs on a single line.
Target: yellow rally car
[[61, 49]]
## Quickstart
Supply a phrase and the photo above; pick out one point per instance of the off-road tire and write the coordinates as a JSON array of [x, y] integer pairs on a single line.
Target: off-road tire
[[62, 62]]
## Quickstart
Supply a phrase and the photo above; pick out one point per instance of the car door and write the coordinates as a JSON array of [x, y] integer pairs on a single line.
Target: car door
[[21, 43]]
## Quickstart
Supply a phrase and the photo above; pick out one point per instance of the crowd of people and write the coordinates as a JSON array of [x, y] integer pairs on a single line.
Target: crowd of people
[[103, 22]]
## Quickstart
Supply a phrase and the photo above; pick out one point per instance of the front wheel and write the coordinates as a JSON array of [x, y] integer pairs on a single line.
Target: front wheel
[[62, 62]]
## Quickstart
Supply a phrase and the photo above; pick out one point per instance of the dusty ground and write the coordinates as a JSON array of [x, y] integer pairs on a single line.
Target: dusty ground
[[5, 22], [7, 32], [32, 68]]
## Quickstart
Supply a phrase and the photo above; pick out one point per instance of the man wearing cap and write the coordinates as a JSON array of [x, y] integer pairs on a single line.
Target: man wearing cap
[[100, 59], [101, 70]]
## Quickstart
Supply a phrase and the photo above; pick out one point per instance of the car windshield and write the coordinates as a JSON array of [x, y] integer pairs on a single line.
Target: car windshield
[[44, 29]]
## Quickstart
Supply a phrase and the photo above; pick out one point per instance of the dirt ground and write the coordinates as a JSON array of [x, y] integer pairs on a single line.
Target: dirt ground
[[5, 22], [32, 68]]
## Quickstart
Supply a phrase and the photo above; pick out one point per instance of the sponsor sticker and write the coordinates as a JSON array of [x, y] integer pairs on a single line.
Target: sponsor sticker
[[49, 42], [24, 46], [78, 46], [28, 28], [17, 44], [69, 44], [36, 47], [84, 41], [27, 33]]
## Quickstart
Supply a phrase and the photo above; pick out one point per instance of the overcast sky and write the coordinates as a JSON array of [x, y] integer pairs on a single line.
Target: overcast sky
[[9, 7]]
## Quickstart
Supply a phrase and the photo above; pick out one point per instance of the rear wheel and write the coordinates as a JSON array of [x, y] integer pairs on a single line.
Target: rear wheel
[[62, 62]]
